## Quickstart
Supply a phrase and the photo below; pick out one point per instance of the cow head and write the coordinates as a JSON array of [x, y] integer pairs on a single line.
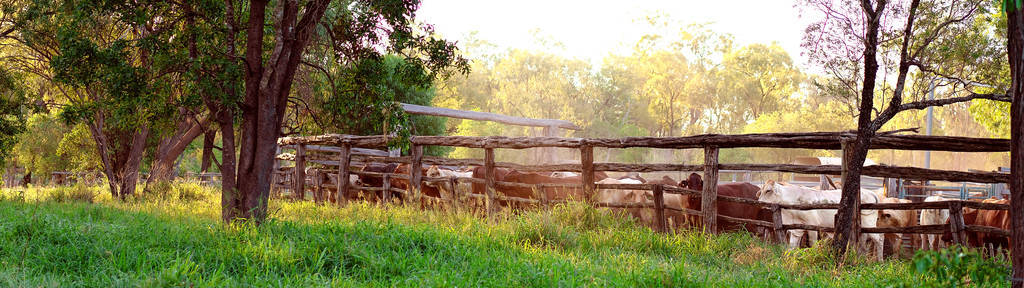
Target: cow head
[[693, 182], [769, 192]]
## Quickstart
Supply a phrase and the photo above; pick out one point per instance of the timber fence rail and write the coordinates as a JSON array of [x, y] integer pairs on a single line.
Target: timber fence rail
[[352, 151]]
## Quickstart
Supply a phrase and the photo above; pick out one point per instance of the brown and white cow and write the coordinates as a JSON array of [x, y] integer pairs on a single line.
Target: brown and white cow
[[727, 208], [896, 218]]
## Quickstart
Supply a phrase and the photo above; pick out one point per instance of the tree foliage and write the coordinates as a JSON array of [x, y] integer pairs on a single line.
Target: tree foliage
[[12, 113]]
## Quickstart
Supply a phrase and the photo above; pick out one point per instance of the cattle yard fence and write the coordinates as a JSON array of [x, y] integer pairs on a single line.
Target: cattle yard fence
[[352, 151]]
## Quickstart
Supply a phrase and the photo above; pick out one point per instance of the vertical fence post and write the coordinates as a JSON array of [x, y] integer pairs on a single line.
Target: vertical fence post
[[317, 189], [386, 186], [548, 153], [454, 198], [537, 190], [416, 174], [343, 163], [275, 177], [659, 208], [956, 223], [299, 181], [489, 177], [587, 161], [709, 197], [777, 231]]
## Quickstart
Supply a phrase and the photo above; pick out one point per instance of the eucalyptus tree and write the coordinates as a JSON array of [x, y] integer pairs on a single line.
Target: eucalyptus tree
[[856, 41], [113, 63], [354, 32], [1015, 57]]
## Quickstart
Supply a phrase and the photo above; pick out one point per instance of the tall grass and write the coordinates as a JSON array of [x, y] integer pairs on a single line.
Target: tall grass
[[169, 240]]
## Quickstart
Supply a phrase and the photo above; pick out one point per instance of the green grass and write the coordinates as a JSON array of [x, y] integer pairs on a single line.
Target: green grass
[[175, 239]]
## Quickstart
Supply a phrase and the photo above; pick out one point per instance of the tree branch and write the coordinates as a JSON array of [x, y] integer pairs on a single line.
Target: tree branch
[[943, 102], [904, 69]]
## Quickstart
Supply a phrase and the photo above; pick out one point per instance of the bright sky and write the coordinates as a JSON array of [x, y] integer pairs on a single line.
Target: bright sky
[[591, 30]]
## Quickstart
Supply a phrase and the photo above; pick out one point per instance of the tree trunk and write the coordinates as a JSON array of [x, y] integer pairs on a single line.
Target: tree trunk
[[120, 160], [1015, 52], [856, 151], [207, 159], [229, 192], [847, 219], [267, 85], [172, 147]]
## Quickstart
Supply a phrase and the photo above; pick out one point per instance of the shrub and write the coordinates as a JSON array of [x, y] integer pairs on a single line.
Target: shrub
[[957, 266], [77, 193], [167, 190]]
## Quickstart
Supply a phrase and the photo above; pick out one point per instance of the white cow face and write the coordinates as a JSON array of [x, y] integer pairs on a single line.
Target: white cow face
[[770, 192]]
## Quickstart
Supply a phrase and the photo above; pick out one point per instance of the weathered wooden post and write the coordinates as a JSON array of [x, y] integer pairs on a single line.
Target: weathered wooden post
[[709, 197], [659, 208], [548, 153], [299, 181], [386, 188], [956, 223], [343, 163], [777, 231], [416, 173], [454, 199], [489, 176], [317, 189], [544, 202], [587, 161], [275, 177]]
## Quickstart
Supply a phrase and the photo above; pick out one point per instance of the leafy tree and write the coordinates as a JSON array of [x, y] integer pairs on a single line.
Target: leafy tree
[[36, 149], [353, 32], [850, 42], [364, 103], [76, 147], [994, 116], [12, 114], [113, 64], [756, 79]]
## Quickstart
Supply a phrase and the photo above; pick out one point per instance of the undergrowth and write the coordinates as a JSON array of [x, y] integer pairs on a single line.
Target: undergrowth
[[172, 237]]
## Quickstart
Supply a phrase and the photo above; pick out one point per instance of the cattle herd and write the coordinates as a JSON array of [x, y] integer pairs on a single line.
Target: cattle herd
[[876, 244]]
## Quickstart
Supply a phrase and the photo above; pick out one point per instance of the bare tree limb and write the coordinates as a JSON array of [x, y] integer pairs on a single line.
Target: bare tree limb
[[952, 100]]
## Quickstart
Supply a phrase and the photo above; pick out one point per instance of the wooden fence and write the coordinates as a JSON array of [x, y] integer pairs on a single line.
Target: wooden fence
[[709, 195]]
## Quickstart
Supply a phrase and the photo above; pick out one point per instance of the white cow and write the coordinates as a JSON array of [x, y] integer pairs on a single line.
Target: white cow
[[563, 174], [445, 187], [933, 217], [783, 193], [620, 196]]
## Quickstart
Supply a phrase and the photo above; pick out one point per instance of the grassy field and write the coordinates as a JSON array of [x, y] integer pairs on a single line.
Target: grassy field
[[79, 237]]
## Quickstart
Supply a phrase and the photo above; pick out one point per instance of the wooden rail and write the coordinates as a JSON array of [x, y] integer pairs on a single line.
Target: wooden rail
[[813, 140]]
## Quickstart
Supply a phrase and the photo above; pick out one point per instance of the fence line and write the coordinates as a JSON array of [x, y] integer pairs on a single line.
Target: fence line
[[709, 197]]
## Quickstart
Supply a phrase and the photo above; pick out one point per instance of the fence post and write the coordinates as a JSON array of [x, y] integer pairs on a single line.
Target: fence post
[[386, 189], [343, 163], [299, 181], [416, 173], [777, 231], [659, 208], [587, 161], [956, 223], [489, 204], [275, 190], [709, 197], [317, 189], [454, 199], [542, 196]]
